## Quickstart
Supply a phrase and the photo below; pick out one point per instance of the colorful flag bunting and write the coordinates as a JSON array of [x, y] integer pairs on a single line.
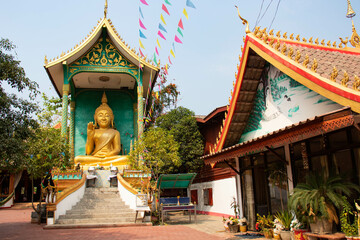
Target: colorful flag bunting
[[156, 50], [165, 9], [177, 39], [162, 18], [179, 31], [185, 13], [161, 27], [167, 2], [158, 43], [190, 4], [141, 53], [141, 45], [169, 60], [157, 95], [141, 24], [172, 53], [161, 35], [173, 46], [141, 34], [180, 24], [144, 2], [142, 15]]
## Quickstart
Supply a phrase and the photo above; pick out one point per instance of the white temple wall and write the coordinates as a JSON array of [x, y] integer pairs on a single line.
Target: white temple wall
[[223, 192]]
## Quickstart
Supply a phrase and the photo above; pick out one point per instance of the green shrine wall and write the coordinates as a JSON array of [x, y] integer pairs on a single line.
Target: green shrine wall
[[120, 101]]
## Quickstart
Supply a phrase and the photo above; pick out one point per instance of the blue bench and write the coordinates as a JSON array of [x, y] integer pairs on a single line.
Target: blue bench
[[173, 204]]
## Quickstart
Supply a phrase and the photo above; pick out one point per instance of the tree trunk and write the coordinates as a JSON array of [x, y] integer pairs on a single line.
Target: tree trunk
[[32, 201]]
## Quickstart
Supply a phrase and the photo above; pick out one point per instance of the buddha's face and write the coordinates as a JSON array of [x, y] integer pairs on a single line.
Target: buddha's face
[[103, 118]]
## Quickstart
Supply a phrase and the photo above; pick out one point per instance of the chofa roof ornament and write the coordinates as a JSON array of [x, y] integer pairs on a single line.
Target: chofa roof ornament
[[244, 21]]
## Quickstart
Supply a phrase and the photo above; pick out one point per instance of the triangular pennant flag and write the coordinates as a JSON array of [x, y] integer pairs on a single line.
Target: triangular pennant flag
[[179, 31], [141, 34], [190, 4], [161, 35], [172, 53], [169, 60], [158, 43], [141, 45], [155, 60], [185, 13], [166, 68], [162, 18], [141, 24], [141, 53], [162, 28], [177, 39], [144, 2], [173, 46], [165, 9], [167, 2], [180, 24], [141, 14], [156, 50]]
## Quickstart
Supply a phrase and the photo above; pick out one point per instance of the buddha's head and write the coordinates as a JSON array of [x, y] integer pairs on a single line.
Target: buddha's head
[[104, 116]]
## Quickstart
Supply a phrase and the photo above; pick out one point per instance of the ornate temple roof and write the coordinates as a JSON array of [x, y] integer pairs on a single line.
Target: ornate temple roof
[[328, 68], [55, 70]]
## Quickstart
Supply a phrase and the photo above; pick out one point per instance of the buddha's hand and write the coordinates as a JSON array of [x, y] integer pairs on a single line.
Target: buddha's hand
[[90, 130]]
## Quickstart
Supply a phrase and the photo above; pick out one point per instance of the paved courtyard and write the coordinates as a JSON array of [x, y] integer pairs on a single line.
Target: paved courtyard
[[15, 224]]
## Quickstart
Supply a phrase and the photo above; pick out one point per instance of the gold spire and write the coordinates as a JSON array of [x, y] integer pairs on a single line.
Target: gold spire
[[105, 8], [350, 12]]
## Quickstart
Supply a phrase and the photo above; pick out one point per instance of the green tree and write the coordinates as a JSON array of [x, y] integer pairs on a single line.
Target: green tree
[[50, 114], [16, 114], [181, 123], [156, 152], [162, 100]]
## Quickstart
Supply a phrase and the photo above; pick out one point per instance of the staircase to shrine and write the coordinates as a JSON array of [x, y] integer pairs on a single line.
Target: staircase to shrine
[[100, 206]]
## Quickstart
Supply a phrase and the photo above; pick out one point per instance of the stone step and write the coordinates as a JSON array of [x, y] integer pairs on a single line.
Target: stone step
[[95, 211], [98, 215], [103, 190], [97, 220], [110, 200], [100, 205]]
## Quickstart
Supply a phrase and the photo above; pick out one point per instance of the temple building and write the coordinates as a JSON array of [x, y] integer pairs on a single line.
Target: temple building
[[294, 109], [102, 63]]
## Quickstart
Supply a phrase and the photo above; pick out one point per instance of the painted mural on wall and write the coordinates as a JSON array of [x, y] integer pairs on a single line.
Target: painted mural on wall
[[281, 101]]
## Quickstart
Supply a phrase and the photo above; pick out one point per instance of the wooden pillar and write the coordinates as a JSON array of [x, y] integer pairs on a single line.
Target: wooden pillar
[[289, 168], [238, 188]]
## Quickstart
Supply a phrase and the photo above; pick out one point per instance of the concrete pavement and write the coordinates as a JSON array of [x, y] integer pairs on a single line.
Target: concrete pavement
[[15, 224]]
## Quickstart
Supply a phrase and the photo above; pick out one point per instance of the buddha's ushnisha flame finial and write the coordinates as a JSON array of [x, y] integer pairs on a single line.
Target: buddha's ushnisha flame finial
[[350, 12], [104, 98], [105, 8]]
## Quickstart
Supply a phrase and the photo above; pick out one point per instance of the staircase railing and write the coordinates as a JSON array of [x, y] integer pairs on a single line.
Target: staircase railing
[[127, 192], [69, 197], [8, 199]]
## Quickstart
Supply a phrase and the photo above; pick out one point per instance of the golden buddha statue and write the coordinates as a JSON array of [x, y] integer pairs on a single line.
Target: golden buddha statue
[[103, 141]]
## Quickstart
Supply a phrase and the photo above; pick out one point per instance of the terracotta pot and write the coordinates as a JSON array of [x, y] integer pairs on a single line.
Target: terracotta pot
[[298, 234], [234, 228], [285, 235], [321, 226], [268, 233], [243, 228]]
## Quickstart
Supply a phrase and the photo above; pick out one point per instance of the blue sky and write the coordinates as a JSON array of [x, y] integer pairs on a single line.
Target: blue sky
[[205, 64]]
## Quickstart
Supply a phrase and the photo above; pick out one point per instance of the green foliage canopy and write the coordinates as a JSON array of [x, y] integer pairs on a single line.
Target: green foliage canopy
[[16, 114], [156, 152], [181, 123]]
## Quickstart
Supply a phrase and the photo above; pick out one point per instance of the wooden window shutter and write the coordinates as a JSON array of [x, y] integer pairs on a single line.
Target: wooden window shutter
[[210, 197], [194, 196]]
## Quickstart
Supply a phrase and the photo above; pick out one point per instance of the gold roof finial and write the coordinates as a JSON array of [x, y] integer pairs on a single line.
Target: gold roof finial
[[244, 21], [356, 83], [350, 12], [46, 61], [345, 79], [105, 8]]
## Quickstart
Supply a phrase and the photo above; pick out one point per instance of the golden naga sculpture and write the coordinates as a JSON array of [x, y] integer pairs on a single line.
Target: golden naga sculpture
[[103, 141]]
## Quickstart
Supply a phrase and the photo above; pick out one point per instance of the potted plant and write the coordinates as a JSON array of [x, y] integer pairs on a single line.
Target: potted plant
[[299, 224], [243, 224], [349, 222], [319, 196], [231, 224], [265, 224], [282, 222]]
